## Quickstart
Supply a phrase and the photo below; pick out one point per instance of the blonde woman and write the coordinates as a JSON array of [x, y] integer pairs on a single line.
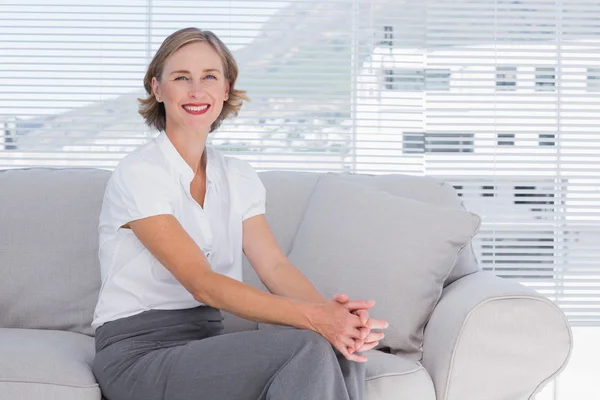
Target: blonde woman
[[175, 219]]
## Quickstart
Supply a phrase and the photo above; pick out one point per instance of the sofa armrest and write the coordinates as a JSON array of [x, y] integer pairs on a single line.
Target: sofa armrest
[[493, 338]]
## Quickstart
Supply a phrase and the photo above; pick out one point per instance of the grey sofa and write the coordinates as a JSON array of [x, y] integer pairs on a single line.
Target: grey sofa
[[488, 338]]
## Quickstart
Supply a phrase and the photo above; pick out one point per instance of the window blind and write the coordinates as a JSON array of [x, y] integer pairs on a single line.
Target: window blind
[[499, 98]]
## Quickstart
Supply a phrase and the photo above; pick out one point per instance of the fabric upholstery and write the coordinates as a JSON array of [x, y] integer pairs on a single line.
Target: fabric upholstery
[[392, 377], [372, 245], [45, 364], [507, 336], [427, 190], [50, 248]]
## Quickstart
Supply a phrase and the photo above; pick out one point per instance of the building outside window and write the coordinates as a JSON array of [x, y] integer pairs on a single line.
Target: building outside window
[[545, 79], [417, 80], [388, 36], [547, 139], [421, 142], [437, 79], [389, 79], [593, 79], [506, 139], [506, 77]]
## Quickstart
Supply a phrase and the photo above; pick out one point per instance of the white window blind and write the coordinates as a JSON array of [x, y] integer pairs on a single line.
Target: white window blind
[[500, 98]]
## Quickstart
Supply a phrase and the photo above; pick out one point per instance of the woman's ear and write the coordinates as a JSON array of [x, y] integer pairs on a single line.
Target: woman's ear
[[155, 88], [227, 90]]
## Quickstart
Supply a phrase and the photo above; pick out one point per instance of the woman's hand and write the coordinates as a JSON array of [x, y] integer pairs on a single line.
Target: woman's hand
[[339, 326], [368, 339]]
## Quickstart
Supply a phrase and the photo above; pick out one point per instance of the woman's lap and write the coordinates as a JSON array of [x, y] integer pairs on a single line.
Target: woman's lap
[[237, 365]]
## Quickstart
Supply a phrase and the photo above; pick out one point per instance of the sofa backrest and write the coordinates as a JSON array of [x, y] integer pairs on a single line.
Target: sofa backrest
[[49, 240], [49, 247]]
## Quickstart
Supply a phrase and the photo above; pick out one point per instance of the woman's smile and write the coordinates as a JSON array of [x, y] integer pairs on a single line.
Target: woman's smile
[[196, 109]]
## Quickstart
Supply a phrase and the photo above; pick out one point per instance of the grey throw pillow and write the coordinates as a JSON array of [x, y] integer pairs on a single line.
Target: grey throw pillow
[[370, 244]]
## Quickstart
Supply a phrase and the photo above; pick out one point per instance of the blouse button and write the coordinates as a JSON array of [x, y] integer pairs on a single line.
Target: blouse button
[[208, 255]]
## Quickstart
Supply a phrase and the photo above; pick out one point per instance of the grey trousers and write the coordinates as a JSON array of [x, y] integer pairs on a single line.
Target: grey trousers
[[183, 355]]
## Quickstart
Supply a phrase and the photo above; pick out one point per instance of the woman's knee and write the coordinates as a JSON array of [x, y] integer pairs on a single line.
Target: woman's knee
[[313, 341]]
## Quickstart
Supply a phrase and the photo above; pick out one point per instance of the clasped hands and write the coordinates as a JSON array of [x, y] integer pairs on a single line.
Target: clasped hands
[[368, 339]]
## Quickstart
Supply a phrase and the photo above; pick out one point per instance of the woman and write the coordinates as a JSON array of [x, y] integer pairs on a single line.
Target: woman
[[175, 219]]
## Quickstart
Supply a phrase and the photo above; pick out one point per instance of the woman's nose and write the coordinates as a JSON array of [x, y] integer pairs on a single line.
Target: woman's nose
[[196, 88]]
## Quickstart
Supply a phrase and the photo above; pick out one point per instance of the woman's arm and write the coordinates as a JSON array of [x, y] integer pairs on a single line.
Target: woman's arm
[[171, 245], [272, 266]]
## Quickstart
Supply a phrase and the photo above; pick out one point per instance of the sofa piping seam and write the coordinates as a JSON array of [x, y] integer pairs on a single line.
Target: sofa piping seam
[[564, 365], [93, 386], [395, 374]]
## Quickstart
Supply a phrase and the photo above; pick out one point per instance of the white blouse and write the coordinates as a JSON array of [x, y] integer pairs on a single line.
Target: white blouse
[[154, 179]]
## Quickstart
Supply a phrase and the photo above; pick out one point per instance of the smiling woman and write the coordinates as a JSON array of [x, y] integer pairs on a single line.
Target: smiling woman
[[175, 219], [196, 61]]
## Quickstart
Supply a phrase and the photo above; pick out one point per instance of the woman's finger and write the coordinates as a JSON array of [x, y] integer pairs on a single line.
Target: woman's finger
[[374, 337], [367, 346], [356, 333], [359, 304], [377, 324], [348, 342], [352, 357], [341, 298], [364, 332], [363, 315]]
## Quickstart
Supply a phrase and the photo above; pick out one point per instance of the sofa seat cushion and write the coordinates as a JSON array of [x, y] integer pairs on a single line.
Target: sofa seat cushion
[[393, 377], [46, 364]]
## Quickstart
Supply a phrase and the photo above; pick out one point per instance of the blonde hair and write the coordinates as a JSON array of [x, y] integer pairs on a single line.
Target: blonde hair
[[154, 112]]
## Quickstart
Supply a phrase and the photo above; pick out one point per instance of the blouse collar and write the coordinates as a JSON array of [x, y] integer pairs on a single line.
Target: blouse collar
[[182, 167]]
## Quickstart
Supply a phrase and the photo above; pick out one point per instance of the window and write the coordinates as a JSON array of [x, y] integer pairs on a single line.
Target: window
[[593, 79], [389, 79], [418, 142], [413, 143], [547, 139], [459, 190], [506, 139], [437, 79], [488, 191], [388, 36], [527, 257], [404, 80], [506, 77], [545, 79], [414, 80], [533, 196]]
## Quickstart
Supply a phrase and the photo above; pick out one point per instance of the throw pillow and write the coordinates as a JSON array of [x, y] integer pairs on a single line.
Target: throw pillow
[[370, 244]]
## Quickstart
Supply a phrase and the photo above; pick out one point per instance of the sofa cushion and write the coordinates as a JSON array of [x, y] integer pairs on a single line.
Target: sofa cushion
[[370, 244], [49, 247], [427, 190], [393, 377], [45, 364]]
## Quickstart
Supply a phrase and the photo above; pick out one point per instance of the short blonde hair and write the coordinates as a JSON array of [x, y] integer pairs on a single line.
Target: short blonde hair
[[154, 112]]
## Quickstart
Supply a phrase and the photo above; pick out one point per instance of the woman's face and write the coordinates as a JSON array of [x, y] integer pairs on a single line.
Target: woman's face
[[193, 88]]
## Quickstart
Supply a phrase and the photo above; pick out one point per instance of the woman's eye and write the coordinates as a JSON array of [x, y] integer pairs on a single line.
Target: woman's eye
[[210, 76], [180, 77]]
